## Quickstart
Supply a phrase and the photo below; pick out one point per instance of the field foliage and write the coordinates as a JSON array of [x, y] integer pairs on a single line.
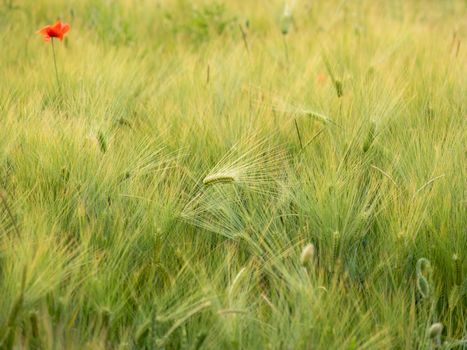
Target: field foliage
[[160, 195]]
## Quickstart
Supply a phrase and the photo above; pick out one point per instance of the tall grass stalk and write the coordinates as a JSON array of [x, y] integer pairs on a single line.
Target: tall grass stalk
[[170, 199]]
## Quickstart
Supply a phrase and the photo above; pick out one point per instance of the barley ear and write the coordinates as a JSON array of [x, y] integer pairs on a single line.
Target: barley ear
[[218, 178]]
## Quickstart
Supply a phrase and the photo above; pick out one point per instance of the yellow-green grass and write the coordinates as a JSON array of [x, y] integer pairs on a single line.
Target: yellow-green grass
[[162, 195]]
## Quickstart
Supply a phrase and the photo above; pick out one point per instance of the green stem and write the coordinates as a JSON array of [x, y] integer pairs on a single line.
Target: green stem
[[298, 133], [55, 64], [286, 49]]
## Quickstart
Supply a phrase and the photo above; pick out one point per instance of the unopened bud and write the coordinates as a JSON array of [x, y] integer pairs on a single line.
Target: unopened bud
[[435, 330], [423, 286], [307, 254]]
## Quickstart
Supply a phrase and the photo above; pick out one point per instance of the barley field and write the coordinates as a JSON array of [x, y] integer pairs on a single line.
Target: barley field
[[233, 174]]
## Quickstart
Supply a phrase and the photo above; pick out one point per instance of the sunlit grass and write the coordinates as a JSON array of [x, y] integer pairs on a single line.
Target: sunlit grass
[[193, 185]]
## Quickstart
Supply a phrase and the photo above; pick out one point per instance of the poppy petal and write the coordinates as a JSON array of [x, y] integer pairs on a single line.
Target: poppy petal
[[57, 25], [65, 28], [43, 30]]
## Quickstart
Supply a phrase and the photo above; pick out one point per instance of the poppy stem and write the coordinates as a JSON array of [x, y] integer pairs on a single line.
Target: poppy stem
[[55, 64], [298, 133]]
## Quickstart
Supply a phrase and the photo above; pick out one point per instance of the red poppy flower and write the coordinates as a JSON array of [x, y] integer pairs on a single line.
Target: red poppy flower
[[58, 30], [321, 78]]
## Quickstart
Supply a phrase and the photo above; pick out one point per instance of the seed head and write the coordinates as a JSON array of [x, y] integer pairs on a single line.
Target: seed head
[[226, 177], [435, 330], [307, 254]]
